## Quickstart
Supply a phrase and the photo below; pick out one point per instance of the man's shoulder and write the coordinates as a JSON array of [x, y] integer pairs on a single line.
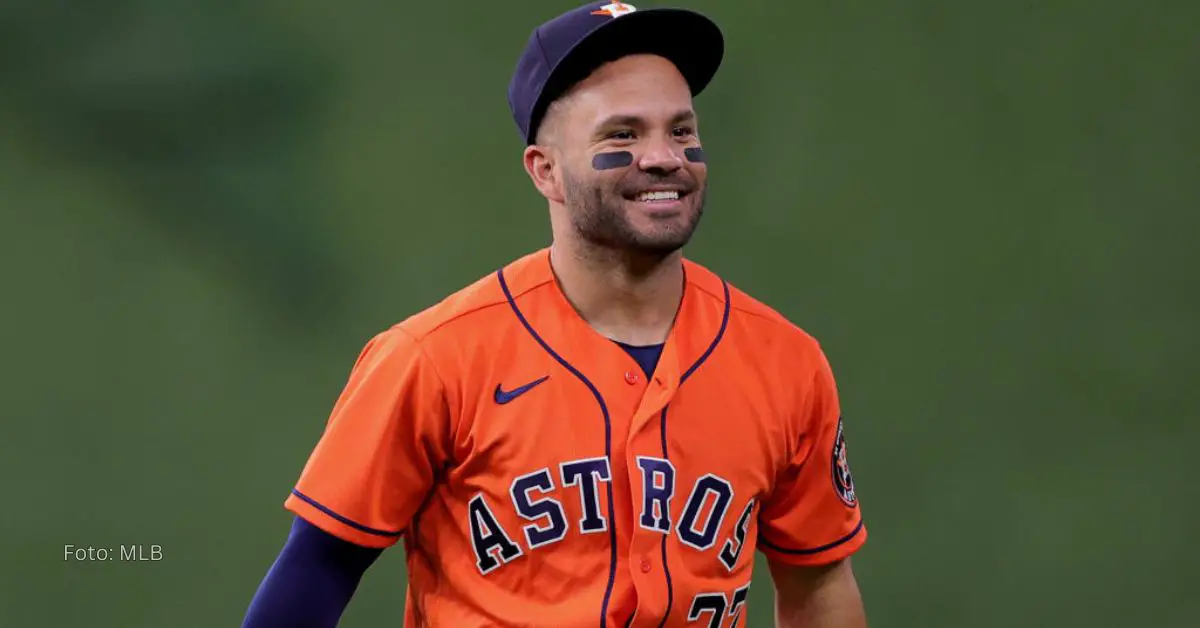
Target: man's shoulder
[[755, 320], [480, 304]]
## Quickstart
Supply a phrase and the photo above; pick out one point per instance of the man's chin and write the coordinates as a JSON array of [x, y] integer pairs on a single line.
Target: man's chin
[[643, 245], [660, 243]]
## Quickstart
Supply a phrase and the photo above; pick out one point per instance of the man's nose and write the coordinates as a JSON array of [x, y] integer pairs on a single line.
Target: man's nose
[[661, 154]]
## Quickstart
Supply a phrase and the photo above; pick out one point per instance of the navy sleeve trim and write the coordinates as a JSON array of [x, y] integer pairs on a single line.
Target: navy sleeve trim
[[353, 524], [813, 550]]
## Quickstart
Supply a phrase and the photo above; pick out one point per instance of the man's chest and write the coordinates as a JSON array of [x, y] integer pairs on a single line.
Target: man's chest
[[554, 463]]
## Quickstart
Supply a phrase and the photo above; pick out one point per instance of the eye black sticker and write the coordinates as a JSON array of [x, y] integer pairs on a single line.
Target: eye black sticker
[[608, 161]]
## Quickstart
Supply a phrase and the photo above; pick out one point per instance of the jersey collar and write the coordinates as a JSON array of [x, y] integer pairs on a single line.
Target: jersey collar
[[696, 334]]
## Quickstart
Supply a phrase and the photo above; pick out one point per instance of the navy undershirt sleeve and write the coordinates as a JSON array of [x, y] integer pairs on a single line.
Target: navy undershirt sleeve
[[311, 582]]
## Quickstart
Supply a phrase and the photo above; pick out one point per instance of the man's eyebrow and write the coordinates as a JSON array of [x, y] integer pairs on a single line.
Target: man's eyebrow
[[687, 115], [621, 119]]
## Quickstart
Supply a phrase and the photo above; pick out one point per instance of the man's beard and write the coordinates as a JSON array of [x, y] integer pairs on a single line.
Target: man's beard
[[598, 216]]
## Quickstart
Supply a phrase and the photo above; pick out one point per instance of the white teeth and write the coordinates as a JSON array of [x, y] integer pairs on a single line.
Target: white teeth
[[669, 195]]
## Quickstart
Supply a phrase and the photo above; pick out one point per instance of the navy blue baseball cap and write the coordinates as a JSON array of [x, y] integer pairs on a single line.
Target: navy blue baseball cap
[[568, 48]]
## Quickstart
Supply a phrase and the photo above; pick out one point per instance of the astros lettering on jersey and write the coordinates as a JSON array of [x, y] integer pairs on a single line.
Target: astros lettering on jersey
[[537, 478]]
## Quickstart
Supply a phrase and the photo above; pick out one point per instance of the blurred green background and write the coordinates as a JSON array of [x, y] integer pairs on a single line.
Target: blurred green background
[[986, 211]]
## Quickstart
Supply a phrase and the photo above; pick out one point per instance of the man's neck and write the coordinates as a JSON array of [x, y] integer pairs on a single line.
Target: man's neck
[[626, 297]]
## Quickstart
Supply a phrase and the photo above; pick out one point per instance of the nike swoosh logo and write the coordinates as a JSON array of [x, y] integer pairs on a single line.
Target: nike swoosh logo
[[504, 396]]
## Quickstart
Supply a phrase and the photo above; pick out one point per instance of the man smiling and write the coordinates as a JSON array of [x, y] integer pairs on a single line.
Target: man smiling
[[602, 432]]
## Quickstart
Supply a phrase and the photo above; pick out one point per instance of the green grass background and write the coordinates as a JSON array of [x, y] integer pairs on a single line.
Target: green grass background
[[987, 212]]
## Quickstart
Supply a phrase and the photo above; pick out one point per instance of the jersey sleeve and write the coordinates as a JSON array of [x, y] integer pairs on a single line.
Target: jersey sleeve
[[384, 439], [812, 516]]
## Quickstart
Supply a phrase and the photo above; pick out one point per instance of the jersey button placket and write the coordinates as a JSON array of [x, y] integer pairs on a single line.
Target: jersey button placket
[[646, 544]]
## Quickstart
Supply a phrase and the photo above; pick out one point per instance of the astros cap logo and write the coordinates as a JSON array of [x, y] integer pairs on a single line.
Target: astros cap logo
[[615, 9]]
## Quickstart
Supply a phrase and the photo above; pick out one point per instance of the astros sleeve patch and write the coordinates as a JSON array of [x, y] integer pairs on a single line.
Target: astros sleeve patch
[[374, 463], [813, 516]]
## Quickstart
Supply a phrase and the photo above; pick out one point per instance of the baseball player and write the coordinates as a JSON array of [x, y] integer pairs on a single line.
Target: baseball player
[[602, 432]]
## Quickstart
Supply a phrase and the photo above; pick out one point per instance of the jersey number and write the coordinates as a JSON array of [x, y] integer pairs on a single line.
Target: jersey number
[[717, 606]]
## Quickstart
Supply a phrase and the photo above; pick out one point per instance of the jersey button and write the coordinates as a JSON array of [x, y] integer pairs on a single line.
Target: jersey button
[[631, 378], [645, 566]]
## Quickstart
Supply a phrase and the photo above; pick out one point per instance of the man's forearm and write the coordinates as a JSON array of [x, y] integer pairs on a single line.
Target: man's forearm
[[310, 583], [841, 612], [820, 597]]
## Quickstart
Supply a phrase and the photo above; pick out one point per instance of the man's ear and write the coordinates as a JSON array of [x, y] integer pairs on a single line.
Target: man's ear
[[541, 164]]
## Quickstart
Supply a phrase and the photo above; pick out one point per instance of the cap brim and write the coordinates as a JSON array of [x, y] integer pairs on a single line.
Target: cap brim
[[688, 39]]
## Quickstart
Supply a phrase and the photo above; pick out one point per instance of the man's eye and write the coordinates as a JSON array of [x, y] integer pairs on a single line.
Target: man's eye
[[683, 131], [621, 135]]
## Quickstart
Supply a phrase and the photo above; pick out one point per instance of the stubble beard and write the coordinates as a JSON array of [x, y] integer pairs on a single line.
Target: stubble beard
[[599, 219]]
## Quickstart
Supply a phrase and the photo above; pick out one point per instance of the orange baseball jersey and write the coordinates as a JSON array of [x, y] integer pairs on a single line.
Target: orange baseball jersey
[[537, 477]]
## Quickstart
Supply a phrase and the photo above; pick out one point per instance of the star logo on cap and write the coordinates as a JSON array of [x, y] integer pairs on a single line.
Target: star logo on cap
[[615, 9]]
